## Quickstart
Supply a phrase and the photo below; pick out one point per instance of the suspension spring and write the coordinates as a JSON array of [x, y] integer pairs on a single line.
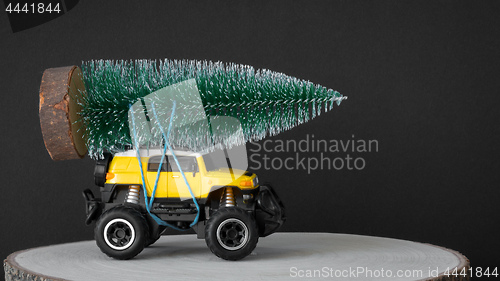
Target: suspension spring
[[227, 199], [133, 194]]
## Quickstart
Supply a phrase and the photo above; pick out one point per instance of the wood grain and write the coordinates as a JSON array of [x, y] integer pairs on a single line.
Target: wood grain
[[60, 93], [183, 257]]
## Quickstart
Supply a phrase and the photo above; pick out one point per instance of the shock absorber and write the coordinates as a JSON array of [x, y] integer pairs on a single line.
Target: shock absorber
[[227, 199], [133, 194]]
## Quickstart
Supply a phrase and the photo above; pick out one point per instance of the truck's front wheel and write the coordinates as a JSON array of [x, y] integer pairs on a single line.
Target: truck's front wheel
[[121, 233], [231, 233]]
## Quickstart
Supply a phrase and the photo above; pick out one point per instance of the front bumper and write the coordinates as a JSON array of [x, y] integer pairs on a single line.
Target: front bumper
[[269, 211], [92, 206]]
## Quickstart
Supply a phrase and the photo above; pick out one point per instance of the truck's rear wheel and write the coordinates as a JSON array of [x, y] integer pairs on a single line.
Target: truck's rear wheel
[[121, 233], [231, 233]]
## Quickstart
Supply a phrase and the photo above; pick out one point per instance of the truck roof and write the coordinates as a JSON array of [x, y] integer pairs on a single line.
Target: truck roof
[[145, 152]]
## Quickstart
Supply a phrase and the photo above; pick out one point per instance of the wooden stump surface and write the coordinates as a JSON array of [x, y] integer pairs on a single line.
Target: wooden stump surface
[[281, 256]]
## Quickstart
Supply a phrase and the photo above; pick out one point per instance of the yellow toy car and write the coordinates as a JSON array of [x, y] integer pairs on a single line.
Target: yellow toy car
[[232, 209]]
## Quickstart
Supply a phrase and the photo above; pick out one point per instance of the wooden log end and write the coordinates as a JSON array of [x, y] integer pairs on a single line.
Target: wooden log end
[[61, 92]]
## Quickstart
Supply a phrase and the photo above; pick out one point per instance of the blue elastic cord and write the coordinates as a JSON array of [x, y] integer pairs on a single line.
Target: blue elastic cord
[[176, 161], [150, 204], [148, 207]]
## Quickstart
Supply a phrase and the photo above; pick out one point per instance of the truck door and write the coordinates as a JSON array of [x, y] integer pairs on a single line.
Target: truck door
[[151, 174], [176, 186]]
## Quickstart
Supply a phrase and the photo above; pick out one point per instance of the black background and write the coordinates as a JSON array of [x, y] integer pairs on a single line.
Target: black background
[[422, 78]]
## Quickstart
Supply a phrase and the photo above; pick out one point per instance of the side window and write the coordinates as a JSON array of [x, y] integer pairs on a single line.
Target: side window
[[154, 163], [188, 164]]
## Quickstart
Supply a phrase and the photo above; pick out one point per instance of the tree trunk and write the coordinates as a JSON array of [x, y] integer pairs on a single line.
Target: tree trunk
[[281, 256], [60, 93]]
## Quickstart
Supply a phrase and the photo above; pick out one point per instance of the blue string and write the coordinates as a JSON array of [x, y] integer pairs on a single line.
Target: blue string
[[175, 159], [138, 155]]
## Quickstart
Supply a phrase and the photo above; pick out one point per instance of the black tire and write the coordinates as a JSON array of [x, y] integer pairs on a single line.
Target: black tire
[[121, 233], [101, 168], [231, 233]]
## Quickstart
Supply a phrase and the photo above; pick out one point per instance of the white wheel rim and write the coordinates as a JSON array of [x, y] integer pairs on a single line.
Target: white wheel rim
[[236, 227], [113, 241]]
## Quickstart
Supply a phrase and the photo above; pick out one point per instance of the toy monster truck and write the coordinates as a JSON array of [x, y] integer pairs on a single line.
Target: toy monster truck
[[234, 208]]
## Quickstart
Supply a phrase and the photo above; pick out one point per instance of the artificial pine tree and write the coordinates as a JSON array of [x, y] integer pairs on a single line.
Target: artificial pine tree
[[265, 102]]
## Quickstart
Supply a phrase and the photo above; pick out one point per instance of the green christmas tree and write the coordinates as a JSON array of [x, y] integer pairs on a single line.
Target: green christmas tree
[[265, 102]]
